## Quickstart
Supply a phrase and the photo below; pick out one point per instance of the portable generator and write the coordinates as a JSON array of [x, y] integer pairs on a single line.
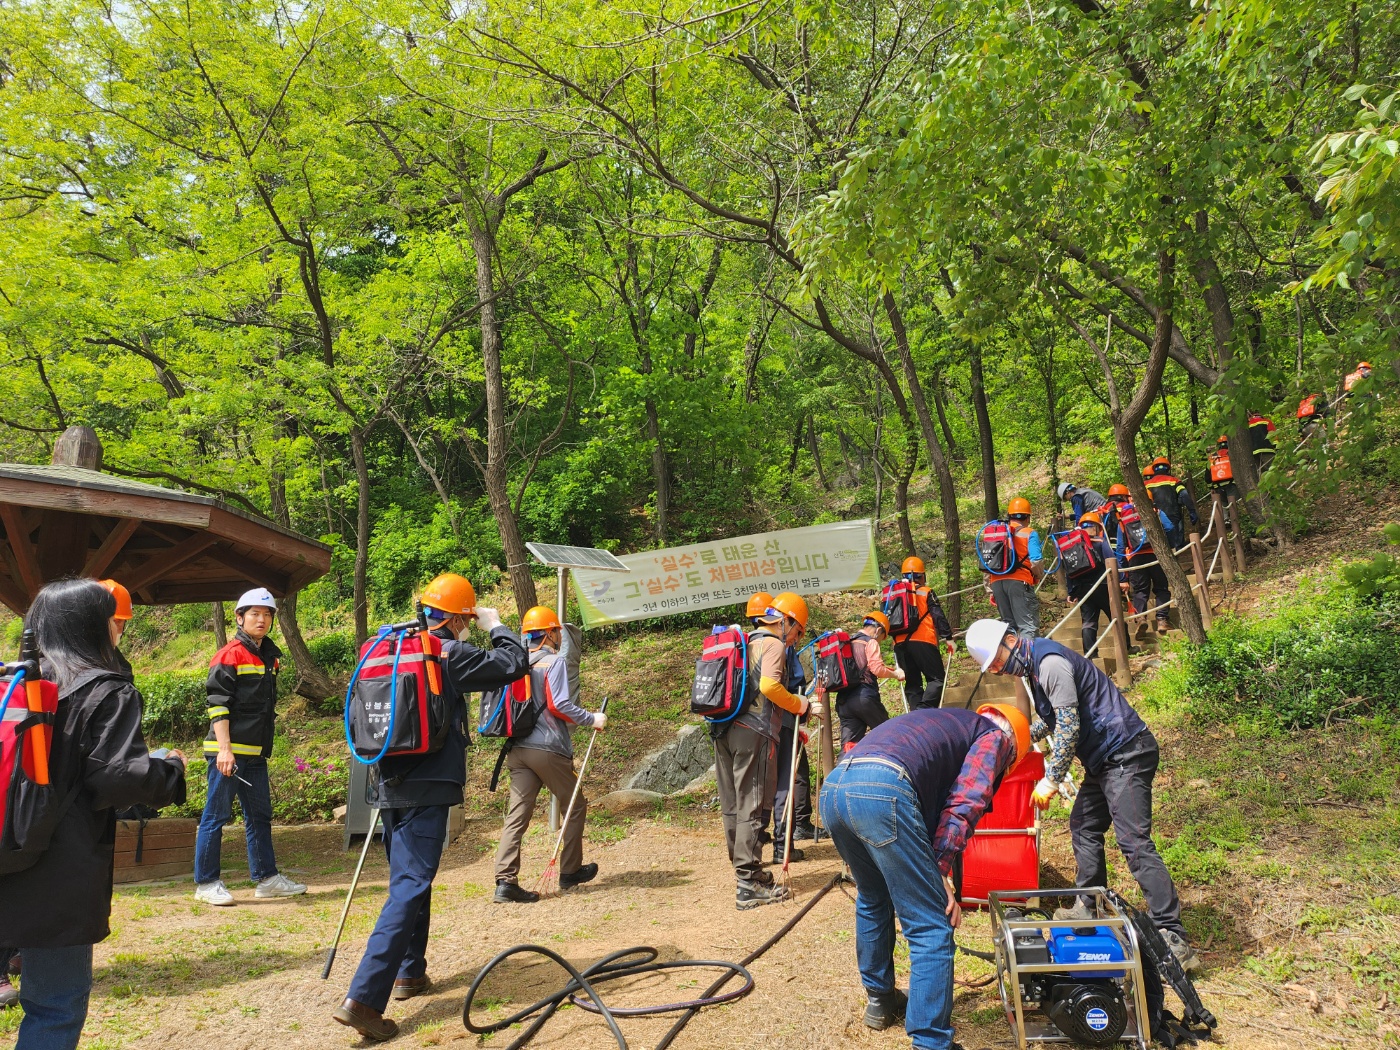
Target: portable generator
[[1075, 980]]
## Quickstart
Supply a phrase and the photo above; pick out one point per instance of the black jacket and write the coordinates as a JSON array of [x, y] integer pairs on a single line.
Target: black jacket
[[66, 898], [437, 779], [242, 690]]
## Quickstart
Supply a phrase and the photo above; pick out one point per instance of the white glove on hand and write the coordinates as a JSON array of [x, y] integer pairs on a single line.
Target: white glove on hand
[[489, 619], [815, 708], [899, 674], [1043, 793], [599, 720]]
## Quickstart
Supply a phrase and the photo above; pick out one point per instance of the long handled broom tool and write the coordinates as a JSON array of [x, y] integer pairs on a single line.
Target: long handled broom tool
[[349, 896], [549, 881], [789, 808]]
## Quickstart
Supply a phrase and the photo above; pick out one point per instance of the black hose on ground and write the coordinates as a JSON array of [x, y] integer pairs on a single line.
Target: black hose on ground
[[581, 989]]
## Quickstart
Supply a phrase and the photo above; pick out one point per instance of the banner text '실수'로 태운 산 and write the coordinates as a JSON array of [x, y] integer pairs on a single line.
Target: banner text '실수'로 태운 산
[[810, 560]]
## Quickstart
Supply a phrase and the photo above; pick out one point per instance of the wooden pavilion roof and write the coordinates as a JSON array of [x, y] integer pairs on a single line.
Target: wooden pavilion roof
[[165, 545]]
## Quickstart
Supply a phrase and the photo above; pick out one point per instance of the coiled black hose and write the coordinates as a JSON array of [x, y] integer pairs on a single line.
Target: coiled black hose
[[630, 962]]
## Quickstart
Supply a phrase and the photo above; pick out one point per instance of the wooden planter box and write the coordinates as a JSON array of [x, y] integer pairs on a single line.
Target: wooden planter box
[[167, 849]]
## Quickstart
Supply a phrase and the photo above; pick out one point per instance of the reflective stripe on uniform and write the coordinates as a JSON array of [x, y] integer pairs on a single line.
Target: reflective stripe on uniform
[[218, 712], [388, 661], [211, 747], [250, 668]]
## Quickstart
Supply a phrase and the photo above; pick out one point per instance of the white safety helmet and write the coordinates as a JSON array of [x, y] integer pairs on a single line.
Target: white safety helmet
[[1063, 489], [984, 639], [257, 596]]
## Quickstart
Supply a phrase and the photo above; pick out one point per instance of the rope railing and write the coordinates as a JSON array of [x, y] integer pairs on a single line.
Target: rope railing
[[1089, 653], [1216, 557]]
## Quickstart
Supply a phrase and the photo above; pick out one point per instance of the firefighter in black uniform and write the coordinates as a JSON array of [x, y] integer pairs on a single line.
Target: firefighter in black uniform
[[415, 793]]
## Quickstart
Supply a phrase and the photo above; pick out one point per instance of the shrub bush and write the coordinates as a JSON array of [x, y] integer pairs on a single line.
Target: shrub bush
[[335, 652], [1329, 654], [306, 789], [175, 707]]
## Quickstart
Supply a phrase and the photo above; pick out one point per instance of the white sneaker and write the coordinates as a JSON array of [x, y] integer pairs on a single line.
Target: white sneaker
[[279, 886], [215, 893]]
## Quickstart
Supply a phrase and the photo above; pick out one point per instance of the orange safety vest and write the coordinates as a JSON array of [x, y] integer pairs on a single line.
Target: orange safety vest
[[1022, 571], [1220, 470], [1307, 408], [926, 631], [1352, 379]]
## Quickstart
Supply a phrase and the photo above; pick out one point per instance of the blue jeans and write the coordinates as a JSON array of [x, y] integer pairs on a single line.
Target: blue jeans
[[54, 993], [399, 944], [256, 799], [874, 817]]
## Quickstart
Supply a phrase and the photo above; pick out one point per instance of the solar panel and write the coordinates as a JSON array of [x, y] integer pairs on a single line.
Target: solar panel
[[562, 557]]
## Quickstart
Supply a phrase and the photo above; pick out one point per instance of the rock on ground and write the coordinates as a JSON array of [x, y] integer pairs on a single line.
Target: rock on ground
[[628, 800], [675, 765]]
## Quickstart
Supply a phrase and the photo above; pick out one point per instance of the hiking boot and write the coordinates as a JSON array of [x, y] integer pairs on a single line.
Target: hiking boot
[[511, 893], [9, 996], [755, 894], [1185, 954], [797, 854], [369, 1023], [804, 832], [1163, 626], [215, 893], [408, 987], [586, 873], [279, 886], [885, 1011], [1079, 912], [1141, 632], [14, 965]]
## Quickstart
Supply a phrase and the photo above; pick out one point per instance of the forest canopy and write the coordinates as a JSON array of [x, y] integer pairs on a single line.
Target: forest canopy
[[428, 280]]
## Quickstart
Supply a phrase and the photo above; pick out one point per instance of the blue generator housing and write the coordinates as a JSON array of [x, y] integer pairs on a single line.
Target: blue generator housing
[[1079, 945]]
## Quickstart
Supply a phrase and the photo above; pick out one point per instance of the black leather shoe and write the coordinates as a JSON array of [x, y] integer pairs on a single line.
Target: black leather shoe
[[884, 1011], [797, 854], [510, 893], [586, 873], [369, 1023], [804, 833], [408, 987]]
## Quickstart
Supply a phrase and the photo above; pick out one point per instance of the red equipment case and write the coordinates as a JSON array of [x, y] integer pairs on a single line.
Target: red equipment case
[[1004, 853]]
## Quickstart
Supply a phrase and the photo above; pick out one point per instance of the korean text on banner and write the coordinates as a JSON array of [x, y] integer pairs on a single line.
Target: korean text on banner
[[722, 572]]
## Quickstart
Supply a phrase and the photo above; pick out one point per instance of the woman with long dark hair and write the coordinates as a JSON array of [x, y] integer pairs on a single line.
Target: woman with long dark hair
[[56, 910]]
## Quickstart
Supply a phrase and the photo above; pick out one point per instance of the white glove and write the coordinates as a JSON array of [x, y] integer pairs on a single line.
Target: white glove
[[600, 720], [1043, 793], [815, 708], [489, 619]]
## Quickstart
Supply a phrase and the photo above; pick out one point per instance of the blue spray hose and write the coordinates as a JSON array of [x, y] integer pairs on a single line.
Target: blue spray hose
[[9, 692], [393, 697]]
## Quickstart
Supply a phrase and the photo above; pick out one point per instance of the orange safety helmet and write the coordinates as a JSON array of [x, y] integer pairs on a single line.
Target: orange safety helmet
[[1160, 465], [878, 618], [539, 618], [1019, 726], [912, 564], [1019, 505], [1091, 516], [123, 597], [1224, 442], [1119, 490], [792, 606], [1363, 364], [758, 604], [451, 594]]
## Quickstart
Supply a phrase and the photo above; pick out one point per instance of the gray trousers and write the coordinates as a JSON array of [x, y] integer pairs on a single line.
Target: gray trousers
[[530, 770], [1018, 605], [1121, 797], [742, 764]]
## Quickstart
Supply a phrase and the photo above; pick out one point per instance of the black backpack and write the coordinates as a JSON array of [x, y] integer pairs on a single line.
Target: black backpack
[[1078, 553], [837, 665], [1134, 531]]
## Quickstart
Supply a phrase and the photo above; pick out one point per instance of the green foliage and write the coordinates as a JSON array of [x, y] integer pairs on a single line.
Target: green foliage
[[306, 789], [335, 651], [174, 705], [1325, 655], [1379, 575]]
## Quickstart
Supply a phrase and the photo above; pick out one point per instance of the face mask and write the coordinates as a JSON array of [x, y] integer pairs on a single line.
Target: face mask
[[466, 629], [1018, 662]]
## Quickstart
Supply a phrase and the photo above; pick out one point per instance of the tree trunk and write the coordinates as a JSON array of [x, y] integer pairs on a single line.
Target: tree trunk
[[785, 491], [991, 503], [357, 452], [661, 472], [494, 474], [947, 494], [816, 451], [220, 625], [312, 681], [942, 411]]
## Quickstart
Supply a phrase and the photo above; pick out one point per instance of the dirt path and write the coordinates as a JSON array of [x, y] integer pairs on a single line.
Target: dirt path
[[248, 978]]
